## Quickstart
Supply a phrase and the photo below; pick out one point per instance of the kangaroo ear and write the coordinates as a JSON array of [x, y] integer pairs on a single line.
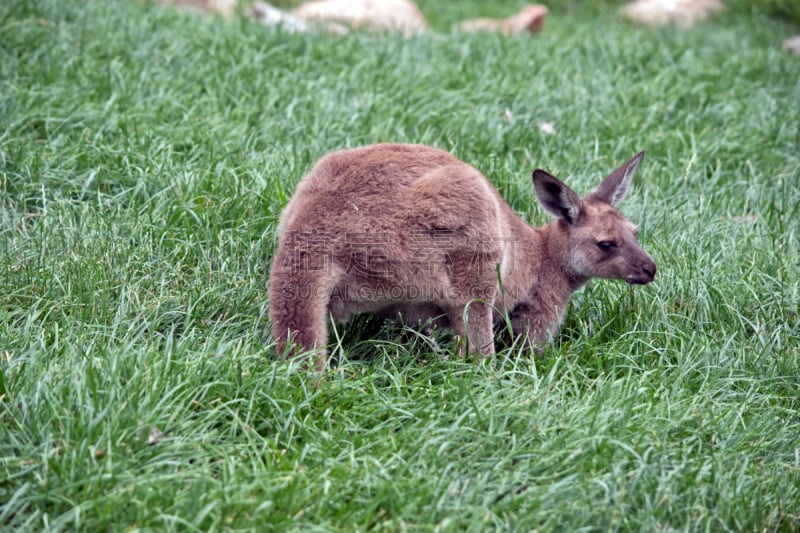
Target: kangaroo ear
[[616, 185], [556, 198]]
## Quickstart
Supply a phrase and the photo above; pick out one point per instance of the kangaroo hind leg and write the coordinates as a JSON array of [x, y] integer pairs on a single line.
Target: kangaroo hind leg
[[299, 311]]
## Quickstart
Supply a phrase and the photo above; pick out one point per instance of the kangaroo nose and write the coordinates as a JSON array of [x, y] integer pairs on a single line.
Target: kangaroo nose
[[650, 270]]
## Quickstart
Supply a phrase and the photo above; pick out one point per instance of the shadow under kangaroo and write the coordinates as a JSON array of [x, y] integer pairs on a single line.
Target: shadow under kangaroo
[[410, 232]]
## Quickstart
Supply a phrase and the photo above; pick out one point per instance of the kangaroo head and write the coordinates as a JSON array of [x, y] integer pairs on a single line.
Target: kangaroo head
[[599, 241]]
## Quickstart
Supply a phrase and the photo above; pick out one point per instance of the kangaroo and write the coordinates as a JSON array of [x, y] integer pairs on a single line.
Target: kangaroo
[[411, 232]]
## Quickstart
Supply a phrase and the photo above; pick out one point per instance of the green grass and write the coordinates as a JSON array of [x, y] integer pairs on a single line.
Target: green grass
[[145, 155]]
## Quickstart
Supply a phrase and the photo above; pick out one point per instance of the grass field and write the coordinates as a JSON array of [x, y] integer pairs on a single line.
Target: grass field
[[145, 155]]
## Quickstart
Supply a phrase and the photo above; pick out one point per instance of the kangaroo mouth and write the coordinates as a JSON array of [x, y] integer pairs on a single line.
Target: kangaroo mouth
[[639, 280]]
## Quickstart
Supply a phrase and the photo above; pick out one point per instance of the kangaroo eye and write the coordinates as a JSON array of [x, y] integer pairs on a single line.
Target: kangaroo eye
[[606, 246]]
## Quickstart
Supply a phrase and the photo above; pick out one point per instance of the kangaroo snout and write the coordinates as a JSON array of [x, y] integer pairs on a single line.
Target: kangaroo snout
[[646, 273]]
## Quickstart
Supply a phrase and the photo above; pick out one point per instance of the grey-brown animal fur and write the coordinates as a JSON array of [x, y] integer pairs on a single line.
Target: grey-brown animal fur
[[410, 231]]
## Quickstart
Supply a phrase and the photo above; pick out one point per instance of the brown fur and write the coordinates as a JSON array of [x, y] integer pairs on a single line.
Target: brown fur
[[529, 19], [682, 13], [410, 231], [397, 15]]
